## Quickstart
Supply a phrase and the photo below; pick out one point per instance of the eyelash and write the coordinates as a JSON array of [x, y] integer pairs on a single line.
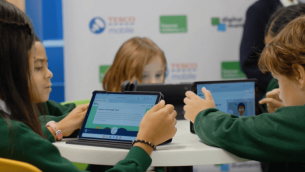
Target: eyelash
[[38, 68], [158, 75]]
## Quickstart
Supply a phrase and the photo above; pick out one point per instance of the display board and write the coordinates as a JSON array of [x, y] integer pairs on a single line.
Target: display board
[[200, 39]]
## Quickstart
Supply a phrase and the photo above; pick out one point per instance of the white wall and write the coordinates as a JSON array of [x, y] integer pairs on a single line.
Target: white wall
[[194, 55]]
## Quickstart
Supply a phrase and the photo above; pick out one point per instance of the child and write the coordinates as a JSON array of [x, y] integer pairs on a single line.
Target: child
[[137, 59], [21, 134], [277, 137], [276, 23], [41, 81]]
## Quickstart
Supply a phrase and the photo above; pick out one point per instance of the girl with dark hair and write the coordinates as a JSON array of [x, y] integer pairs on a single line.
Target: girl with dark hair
[[21, 134], [281, 18], [276, 137], [41, 80]]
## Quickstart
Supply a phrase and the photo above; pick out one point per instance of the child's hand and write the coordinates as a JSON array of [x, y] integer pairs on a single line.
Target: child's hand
[[158, 124], [73, 120], [272, 100], [195, 104]]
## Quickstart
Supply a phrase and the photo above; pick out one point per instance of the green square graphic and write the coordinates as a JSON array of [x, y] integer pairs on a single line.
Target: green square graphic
[[103, 70], [231, 70], [173, 24], [215, 21]]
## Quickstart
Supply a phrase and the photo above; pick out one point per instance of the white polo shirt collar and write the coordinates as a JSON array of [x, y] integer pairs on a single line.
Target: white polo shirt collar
[[287, 3], [4, 108]]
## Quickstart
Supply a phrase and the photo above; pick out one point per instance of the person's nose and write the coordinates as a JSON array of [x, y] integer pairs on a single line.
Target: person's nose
[[153, 80], [49, 74]]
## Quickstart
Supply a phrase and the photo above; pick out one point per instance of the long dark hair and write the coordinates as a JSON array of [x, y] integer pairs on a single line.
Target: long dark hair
[[282, 17], [16, 41]]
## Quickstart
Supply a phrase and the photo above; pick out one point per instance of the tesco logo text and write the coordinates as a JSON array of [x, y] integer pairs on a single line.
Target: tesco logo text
[[122, 20]]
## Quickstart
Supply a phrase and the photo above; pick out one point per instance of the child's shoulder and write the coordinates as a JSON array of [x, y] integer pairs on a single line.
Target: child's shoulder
[[7, 125]]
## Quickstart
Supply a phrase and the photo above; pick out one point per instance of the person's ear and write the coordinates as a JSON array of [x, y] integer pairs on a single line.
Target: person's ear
[[301, 76]]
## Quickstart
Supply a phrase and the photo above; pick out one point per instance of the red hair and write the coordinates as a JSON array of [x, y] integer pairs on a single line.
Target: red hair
[[286, 51], [129, 62]]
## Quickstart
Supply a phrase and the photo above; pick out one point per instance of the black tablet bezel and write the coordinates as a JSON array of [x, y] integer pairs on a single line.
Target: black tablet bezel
[[194, 89], [124, 93], [173, 94]]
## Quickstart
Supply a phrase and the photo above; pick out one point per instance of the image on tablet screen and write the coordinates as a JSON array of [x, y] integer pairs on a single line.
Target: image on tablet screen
[[237, 98], [117, 116]]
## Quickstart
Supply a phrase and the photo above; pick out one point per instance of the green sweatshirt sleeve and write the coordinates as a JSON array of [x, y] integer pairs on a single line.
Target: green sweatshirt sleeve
[[276, 137], [53, 111], [20, 143], [57, 109], [137, 160]]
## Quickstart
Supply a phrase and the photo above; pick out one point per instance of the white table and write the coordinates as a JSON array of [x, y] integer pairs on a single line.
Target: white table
[[186, 149]]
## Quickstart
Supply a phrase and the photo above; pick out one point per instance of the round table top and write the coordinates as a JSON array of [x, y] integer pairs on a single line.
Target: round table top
[[186, 149]]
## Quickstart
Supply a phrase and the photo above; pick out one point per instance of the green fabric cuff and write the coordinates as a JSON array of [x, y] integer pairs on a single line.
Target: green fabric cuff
[[47, 134], [138, 154], [197, 119]]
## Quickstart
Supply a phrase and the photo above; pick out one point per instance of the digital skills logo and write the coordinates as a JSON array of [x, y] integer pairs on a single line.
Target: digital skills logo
[[115, 25], [240, 166], [223, 167], [227, 22], [97, 25], [183, 71]]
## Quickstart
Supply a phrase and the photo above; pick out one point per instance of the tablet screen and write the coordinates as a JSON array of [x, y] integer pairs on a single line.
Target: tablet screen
[[237, 98], [116, 116]]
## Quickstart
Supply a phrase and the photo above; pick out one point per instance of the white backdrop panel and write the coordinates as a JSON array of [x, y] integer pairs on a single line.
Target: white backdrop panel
[[202, 46]]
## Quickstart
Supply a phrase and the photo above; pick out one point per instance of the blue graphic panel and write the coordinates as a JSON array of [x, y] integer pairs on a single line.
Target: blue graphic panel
[[222, 27], [58, 93], [52, 19], [56, 63], [97, 25], [224, 167], [56, 66], [33, 9]]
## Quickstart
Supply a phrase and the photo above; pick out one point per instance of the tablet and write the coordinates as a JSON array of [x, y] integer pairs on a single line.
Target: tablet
[[173, 94], [113, 119], [237, 97]]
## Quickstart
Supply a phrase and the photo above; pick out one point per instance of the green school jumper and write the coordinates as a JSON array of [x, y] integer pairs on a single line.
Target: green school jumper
[[19, 142], [54, 112], [276, 137]]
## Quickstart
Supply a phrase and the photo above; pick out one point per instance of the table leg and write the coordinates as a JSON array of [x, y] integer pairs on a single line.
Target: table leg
[[179, 169]]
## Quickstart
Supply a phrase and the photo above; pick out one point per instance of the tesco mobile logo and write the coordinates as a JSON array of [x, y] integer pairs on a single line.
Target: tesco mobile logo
[[183, 71], [116, 25], [97, 25], [122, 20]]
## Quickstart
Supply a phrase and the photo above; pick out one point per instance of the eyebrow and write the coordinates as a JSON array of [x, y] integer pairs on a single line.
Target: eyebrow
[[40, 60]]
